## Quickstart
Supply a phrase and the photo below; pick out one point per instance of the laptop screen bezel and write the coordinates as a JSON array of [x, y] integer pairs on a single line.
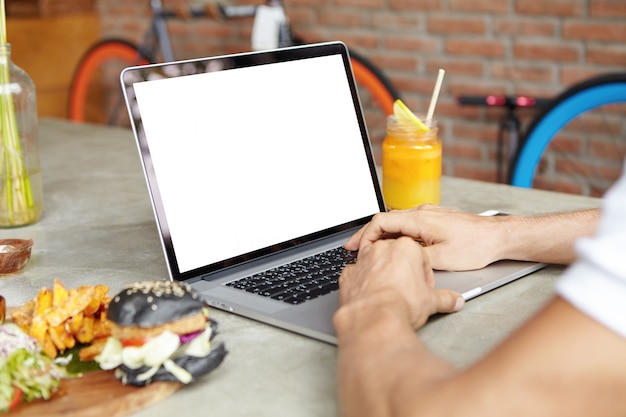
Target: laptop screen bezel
[[181, 68]]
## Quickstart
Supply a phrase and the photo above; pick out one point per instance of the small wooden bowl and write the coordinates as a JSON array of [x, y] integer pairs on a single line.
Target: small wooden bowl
[[14, 255]]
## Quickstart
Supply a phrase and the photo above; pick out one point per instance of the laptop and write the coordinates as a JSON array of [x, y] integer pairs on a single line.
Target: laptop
[[257, 161]]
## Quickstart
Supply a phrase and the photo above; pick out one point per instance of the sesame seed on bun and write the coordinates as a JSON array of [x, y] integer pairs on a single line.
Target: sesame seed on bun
[[153, 303]]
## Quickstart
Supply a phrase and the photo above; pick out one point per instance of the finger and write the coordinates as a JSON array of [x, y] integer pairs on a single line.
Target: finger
[[447, 301], [344, 286], [390, 223], [433, 253], [352, 244], [429, 274]]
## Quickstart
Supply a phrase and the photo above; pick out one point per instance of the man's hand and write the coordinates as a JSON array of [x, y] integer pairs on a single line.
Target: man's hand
[[458, 241], [395, 274], [453, 240]]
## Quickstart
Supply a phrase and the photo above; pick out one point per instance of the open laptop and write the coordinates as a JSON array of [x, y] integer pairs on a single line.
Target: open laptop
[[257, 160]]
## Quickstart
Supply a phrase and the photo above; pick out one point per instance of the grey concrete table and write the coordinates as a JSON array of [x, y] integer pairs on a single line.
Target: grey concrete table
[[98, 227]]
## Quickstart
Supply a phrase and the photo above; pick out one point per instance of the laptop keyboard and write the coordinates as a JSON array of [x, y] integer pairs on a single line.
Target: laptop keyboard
[[301, 280]]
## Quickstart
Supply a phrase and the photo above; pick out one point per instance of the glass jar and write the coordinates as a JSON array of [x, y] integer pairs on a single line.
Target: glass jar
[[411, 165], [21, 192]]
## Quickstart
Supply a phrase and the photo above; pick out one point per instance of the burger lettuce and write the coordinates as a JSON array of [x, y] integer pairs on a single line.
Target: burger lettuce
[[25, 373]]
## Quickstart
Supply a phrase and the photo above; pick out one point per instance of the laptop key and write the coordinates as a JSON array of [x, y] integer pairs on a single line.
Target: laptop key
[[301, 281]]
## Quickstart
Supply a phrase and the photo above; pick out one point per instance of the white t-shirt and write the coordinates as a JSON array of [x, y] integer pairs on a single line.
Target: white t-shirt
[[596, 282]]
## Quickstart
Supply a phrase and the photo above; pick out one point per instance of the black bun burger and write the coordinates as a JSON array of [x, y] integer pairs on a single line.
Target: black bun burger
[[161, 331]]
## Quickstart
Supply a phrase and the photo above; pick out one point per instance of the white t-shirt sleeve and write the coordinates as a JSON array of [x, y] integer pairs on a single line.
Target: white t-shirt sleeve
[[596, 282]]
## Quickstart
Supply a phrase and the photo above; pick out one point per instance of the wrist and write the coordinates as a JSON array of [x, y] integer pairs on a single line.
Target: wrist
[[513, 235], [387, 312]]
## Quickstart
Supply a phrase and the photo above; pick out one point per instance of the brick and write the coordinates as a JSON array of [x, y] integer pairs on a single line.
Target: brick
[[572, 167], [609, 150], [464, 150], [360, 39], [414, 84], [341, 18], [478, 172], [417, 5], [302, 17], [562, 186], [447, 109], [547, 52], [601, 122], [535, 73], [594, 192], [480, 6], [476, 131], [594, 31], [179, 30], [454, 68], [607, 55], [462, 112], [395, 61], [572, 74], [395, 21], [589, 177], [292, 3], [475, 47], [412, 43], [566, 144], [313, 35], [519, 26], [607, 8], [557, 8], [213, 31], [475, 87], [444, 24], [368, 4]]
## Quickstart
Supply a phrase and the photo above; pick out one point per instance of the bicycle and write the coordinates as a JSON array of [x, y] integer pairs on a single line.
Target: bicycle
[[95, 79], [585, 121], [509, 126]]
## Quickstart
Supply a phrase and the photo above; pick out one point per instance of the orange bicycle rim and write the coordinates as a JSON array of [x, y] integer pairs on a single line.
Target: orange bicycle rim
[[90, 63], [378, 90]]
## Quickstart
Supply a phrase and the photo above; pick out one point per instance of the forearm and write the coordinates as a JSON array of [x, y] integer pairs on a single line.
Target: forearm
[[378, 353], [548, 238], [577, 370]]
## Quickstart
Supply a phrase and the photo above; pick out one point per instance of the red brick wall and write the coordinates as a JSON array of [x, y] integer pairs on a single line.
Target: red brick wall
[[529, 47]]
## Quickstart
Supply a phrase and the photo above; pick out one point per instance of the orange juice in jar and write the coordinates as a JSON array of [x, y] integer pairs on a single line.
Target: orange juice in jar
[[411, 165]]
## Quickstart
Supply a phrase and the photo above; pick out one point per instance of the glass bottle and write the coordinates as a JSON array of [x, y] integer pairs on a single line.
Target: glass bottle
[[21, 192], [411, 165]]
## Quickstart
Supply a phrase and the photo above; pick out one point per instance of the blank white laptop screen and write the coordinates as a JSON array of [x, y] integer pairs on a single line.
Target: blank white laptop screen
[[251, 157]]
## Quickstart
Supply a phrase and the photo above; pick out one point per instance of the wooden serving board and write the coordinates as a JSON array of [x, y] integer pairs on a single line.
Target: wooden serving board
[[97, 394]]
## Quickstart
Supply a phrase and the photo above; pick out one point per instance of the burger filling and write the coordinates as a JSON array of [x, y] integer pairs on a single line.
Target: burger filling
[[156, 351]]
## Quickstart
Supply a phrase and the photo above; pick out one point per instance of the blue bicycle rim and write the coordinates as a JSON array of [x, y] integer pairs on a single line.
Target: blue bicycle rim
[[538, 140]]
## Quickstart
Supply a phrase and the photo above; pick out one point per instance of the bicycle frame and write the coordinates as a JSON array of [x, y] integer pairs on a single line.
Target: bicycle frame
[[509, 126], [162, 38], [159, 29], [270, 26]]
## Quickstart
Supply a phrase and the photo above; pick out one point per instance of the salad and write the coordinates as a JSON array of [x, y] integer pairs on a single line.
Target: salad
[[25, 373]]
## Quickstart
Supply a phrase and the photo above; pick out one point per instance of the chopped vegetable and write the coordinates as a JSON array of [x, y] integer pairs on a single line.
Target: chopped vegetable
[[18, 395], [25, 373]]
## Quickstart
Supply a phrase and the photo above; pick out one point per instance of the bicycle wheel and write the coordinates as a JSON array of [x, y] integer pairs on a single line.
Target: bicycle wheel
[[95, 93], [578, 142], [369, 77]]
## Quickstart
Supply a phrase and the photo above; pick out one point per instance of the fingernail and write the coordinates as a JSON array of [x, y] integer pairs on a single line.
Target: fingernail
[[460, 302]]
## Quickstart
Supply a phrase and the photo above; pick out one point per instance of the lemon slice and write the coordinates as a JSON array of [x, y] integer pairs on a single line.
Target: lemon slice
[[404, 115]]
